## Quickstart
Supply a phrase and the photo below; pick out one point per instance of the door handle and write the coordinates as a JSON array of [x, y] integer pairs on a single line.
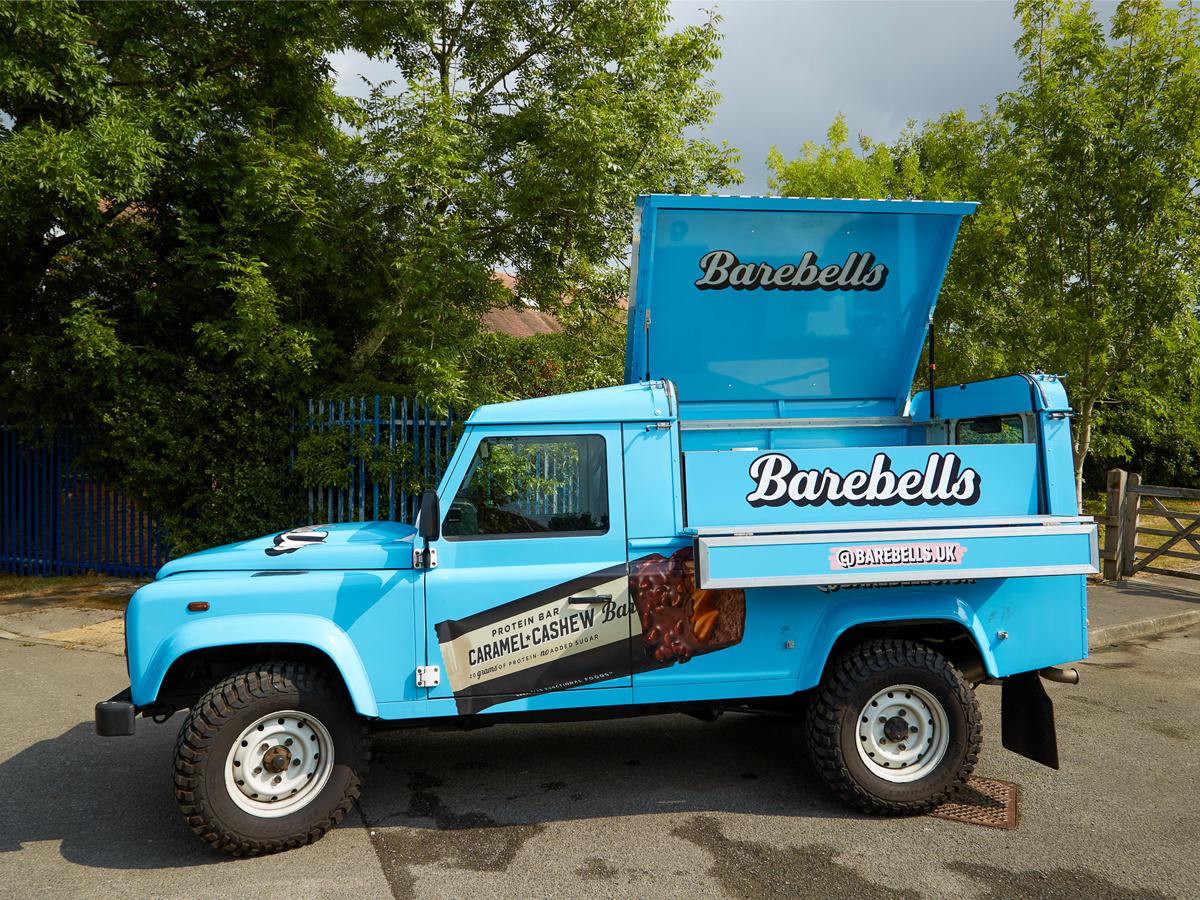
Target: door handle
[[596, 598]]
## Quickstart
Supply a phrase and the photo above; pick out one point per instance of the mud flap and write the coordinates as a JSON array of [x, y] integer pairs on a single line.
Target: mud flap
[[1027, 719]]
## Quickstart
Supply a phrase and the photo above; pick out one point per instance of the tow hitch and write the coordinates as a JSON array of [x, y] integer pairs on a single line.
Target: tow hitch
[[114, 717]]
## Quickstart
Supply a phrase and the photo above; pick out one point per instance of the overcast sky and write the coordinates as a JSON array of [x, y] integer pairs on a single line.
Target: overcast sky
[[789, 66]]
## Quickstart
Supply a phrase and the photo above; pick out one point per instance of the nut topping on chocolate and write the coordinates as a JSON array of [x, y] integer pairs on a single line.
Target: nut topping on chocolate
[[678, 621]]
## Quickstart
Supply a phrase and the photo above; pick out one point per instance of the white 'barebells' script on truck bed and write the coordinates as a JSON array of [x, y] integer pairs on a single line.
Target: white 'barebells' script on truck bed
[[779, 480]]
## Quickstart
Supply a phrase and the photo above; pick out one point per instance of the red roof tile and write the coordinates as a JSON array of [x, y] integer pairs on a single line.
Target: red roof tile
[[520, 322], [525, 321]]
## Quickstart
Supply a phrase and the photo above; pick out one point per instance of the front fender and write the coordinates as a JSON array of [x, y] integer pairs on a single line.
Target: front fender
[[846, 613], [254, 628]]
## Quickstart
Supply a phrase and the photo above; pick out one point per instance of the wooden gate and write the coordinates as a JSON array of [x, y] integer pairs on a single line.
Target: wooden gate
[[1129, 502]]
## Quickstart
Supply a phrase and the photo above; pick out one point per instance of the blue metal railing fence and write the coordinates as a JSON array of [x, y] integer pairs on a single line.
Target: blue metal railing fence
[[399, 447], [56, 519]]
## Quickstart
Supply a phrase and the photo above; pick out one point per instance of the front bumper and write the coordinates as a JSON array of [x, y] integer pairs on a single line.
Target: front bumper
[[114, 718]]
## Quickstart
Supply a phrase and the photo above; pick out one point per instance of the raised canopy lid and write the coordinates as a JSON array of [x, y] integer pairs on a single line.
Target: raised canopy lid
[[822, 304]]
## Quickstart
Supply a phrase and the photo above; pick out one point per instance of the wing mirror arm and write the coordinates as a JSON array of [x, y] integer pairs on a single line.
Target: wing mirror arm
[[429, 528]]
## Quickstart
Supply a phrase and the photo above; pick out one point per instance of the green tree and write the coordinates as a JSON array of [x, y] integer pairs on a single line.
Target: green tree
[[515, 137], [196, 232], [168, 277], [834, 170], [1082, 257], [586, 354], [1104, 159]]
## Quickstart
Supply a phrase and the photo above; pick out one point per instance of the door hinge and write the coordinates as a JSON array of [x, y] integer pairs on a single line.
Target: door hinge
[[429, 676], [419, 558]]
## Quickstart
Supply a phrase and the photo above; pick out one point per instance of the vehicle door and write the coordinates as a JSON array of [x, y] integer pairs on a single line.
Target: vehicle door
[[527, 606]]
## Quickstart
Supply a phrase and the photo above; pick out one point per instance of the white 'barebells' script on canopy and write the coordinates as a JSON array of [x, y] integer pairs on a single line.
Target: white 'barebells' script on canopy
[[722, 269]]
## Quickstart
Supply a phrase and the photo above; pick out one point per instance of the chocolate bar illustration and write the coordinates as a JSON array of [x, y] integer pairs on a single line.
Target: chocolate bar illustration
[[543, 642], [678, 620]]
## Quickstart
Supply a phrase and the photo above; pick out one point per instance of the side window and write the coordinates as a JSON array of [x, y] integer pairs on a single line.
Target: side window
[[990, 430], [532, 486]]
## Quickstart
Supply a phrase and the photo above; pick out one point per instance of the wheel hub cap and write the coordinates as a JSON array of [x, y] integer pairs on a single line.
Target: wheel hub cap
[[279, 763], [903, 733], [896, 728]]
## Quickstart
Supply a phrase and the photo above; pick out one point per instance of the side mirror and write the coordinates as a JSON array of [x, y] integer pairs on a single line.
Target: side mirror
[[430, 527]]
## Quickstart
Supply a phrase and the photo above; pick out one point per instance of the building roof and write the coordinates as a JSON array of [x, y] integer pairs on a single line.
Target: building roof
[[520, 322], [524, 321]]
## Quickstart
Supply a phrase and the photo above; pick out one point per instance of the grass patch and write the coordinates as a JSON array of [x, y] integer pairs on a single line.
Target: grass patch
[[92, 591], [34, 584]]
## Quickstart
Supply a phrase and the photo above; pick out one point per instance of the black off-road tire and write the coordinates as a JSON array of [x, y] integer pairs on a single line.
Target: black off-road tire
[[837, 726], [205, 748]]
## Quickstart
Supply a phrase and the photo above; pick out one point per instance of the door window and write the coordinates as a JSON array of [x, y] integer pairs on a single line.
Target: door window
[[525, 486]]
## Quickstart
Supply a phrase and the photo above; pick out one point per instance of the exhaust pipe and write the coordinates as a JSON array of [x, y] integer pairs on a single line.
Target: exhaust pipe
[[1062, 676]]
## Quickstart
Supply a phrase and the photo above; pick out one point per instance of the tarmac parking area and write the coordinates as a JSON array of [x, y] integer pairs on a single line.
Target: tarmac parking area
[[665, 806]]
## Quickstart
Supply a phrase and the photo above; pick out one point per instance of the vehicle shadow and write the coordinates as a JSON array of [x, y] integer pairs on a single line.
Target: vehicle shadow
[[534, 774], [108, 802]]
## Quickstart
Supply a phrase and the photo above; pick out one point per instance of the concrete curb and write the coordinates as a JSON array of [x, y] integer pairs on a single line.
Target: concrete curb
[[26, 639], [66, 645], [1130, 631]]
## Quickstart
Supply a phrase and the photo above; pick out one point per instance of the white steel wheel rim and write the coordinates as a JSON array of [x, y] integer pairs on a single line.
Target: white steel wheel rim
[[279, 764], [902, 733]]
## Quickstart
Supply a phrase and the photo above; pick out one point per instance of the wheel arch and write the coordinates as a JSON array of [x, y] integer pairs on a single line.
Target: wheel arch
[[202, 651], [943, 622]]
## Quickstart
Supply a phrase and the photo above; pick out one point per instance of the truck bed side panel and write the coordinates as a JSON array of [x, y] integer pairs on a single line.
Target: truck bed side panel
[[757, 488]]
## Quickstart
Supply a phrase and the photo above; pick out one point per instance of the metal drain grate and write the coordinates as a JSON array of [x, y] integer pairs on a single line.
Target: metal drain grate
[[982, 801]]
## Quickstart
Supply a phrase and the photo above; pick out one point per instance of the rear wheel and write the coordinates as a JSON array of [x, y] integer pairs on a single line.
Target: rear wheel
[[269, 759], [895, 728]]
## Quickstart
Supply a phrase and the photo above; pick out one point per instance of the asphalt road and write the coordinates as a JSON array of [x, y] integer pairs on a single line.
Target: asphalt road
[[663, 807]]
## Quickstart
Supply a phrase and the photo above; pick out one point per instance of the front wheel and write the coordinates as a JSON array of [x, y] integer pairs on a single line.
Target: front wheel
[[895, 728], [269, 759]]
